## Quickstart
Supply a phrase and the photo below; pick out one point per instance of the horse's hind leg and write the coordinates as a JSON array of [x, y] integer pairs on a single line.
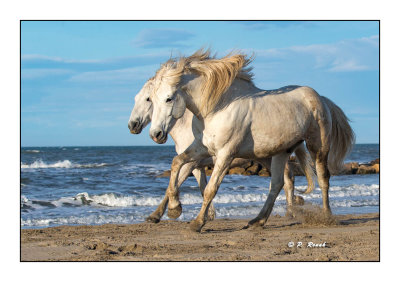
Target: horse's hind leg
[[200, 175], [277, 180], [319, 153], [321, 165], [288, 187]]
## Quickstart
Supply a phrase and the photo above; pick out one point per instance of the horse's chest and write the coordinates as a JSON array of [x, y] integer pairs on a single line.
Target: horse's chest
[[209, 142]]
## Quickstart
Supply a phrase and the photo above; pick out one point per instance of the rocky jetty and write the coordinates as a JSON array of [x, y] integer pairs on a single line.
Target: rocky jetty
[[253, 168]]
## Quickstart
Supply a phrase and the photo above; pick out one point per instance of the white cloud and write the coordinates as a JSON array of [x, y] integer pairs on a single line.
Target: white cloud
[[38, 57], [116, 76], [162, 37], [39, 73], [347, 55]]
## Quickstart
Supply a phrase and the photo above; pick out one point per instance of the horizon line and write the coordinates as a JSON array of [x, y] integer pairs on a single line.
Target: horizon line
[[155, 145]]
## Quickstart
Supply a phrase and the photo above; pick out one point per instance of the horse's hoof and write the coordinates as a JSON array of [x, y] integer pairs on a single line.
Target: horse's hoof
[[152, 219], [327, 212], [195, 226], [256, 222], [298, 200], [211, 213], [175, 212], [290, 214]]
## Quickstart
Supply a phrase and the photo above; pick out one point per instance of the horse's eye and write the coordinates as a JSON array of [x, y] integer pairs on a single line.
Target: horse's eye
[[168, 100], [148, 99]]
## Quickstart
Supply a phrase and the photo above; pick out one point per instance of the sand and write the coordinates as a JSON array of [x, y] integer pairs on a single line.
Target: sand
[[346, 238]]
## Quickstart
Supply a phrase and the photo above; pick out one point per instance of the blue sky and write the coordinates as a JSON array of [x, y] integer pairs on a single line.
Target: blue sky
[[79, 78]]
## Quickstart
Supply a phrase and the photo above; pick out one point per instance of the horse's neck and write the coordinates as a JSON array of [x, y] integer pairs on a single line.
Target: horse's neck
[[193, 95], [181, 132]]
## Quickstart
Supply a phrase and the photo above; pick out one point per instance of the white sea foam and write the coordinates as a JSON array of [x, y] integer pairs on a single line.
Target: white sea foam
[[60, 164], [86, 220], [113, 200], [134, 217], [24, 199], [32, 151], [108, 200], [135, 208]]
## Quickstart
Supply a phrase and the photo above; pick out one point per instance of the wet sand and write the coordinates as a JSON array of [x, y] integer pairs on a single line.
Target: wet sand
[[346, 237]]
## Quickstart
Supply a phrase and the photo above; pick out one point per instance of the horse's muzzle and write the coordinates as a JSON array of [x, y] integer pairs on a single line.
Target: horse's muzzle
[[135, 127], [159, 137]]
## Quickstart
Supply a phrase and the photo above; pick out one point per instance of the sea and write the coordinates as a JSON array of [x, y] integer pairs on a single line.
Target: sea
[[99, 185]]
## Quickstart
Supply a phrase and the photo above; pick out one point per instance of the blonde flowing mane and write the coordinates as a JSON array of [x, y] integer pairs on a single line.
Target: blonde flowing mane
[[218, 74]]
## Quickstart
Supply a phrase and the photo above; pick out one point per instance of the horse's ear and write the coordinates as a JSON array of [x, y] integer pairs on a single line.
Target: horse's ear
[[179, 107]]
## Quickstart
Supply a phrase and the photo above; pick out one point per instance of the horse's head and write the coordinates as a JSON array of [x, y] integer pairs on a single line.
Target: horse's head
[[168, 102], [143, 109]]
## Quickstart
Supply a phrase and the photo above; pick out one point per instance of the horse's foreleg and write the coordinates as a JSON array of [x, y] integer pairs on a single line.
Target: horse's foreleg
[[193, 154], [277, 181], [220, 169], [159, 212], [200, 175]]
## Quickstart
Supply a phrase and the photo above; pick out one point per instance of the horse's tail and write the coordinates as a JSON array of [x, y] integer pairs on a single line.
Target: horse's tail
[[342, 137], [306, 162]]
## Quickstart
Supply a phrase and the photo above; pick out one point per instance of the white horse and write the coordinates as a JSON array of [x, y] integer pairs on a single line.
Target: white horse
[[182, 135], [235, 119]]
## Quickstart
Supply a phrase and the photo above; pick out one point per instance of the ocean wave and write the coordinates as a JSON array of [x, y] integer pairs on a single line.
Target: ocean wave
[[239, 207], [140, 216], [96, 219], [31, 151], [112, 200], [60, 164], [347, 196], [246, 211]]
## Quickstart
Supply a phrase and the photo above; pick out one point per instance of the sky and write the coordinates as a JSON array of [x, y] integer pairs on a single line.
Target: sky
[[79, 78]]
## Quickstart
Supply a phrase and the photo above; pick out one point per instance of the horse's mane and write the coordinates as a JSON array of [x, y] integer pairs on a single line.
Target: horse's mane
[[218, 74], [174, 67]]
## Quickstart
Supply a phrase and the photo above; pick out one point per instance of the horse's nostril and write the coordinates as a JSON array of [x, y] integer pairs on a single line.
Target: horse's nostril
[[132, 125], [158, 134]]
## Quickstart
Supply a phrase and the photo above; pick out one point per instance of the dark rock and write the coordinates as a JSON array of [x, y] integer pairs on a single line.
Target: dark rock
[[376, 167], [237, 170], [245, 167], [244, 163], [264, 172], [376, 161], [166, 173], [253, 170], [364, 169], [350, 168]]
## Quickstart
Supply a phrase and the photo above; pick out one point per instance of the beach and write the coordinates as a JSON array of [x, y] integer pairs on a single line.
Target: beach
[[338, 238]]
